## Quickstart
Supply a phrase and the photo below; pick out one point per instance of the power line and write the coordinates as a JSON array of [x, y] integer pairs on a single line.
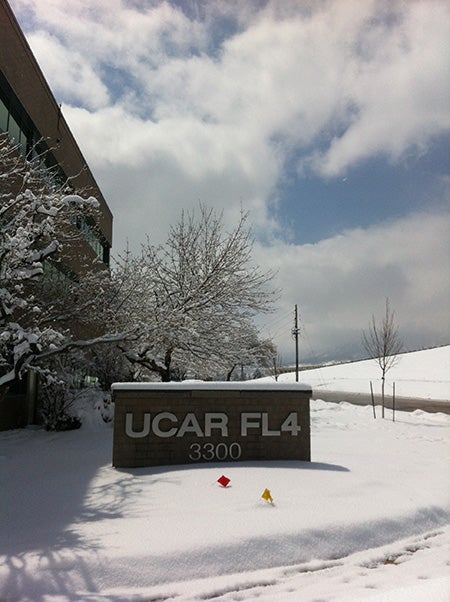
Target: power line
[[305, 333], [283, 318]]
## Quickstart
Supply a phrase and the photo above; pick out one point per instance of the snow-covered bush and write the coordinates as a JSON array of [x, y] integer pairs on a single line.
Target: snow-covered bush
[[105, 407], [60, 386], [56, 401]]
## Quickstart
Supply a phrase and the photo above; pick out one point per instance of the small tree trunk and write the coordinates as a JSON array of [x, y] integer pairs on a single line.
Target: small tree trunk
[[230, 372], [373, 400], [165, 372], [165, 376], [382, 396]]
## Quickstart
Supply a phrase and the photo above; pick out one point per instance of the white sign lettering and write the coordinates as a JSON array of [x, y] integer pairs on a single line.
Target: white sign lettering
[[129, 426], [217, 421], [156, 428], [259, 421], [166, 424]]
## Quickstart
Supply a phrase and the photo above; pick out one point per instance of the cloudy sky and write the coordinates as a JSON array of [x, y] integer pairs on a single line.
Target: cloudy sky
[[327, 120]]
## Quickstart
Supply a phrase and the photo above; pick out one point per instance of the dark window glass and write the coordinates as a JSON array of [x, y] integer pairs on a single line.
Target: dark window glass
[[3, 116]]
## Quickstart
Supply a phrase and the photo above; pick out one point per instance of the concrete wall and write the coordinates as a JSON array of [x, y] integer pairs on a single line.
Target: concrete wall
[[181, 425]]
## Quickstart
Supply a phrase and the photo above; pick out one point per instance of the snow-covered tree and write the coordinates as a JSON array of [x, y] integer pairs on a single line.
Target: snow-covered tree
[[38, 227], [109, 365], [192, 296], [253, 355]]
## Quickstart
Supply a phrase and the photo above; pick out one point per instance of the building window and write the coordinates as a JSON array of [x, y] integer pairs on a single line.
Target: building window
[[106, 254], [17, 135], [3, 117], [58, 272], [15, 121], [93, 237]]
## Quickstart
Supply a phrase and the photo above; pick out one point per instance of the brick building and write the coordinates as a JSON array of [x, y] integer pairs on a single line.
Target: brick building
[[32, 118]]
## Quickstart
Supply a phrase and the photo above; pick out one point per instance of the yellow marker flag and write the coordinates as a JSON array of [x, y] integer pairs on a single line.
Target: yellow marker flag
[[266, 496]]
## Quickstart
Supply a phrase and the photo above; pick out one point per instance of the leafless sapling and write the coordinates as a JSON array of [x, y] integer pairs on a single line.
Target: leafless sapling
[[383, 344]]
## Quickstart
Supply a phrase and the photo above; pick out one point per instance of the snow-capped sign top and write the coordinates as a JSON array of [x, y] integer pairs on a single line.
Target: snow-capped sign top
[[213, 385]]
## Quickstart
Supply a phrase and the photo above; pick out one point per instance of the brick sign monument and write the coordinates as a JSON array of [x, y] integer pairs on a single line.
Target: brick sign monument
[[158, 424]]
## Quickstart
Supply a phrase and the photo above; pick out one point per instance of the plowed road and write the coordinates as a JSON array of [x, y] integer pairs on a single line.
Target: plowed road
[[401, 403]]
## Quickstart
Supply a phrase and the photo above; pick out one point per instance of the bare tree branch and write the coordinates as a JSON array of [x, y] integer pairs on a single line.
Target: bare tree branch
[[383, 344], [192, 295]]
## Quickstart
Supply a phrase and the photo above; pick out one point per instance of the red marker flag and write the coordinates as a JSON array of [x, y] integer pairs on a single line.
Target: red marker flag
[[223, 481], [266, 496]]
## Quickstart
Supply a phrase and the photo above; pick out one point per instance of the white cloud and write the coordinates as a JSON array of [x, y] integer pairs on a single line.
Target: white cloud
[[399, 92], [117, 33], [339, 282], [168, 116], [339, 81], [156, 168], [75, 77]]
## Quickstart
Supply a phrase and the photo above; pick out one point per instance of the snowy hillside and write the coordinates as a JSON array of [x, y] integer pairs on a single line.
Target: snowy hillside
[[424, 374], [367, 519]]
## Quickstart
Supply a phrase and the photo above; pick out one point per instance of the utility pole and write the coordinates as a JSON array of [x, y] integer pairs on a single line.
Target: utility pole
[[295, 333]]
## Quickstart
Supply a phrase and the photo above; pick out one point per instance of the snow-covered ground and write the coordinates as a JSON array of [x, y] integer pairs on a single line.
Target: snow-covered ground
[[424, 374], [367, 519]]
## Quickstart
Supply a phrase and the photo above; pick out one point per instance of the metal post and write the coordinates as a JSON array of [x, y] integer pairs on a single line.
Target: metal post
[[31, 396], [295, 332]]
